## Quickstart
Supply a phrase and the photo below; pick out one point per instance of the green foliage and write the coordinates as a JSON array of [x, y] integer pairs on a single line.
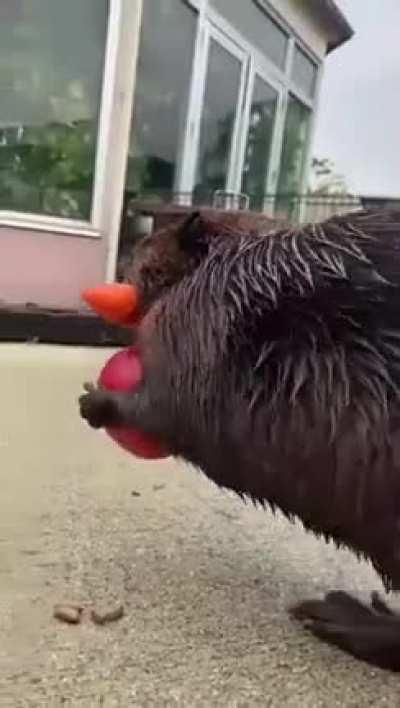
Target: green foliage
[[48, 169], [324, 180]]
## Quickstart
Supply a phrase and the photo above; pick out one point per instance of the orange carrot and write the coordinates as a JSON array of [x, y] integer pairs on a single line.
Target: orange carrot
[[115, 302]]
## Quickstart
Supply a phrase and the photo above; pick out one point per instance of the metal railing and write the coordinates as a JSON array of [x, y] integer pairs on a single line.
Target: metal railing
[[295, 208], [308, 207]]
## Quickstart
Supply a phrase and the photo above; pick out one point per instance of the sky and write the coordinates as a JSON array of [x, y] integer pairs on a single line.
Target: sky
[[358, 124]]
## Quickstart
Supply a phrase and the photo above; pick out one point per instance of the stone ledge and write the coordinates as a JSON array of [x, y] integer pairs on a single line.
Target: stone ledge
[[34, 324]]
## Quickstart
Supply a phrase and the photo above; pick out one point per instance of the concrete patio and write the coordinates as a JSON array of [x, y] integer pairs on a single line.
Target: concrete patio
[[205, 580]]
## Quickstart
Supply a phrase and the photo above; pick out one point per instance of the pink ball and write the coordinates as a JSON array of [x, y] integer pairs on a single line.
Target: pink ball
[[124, 372]]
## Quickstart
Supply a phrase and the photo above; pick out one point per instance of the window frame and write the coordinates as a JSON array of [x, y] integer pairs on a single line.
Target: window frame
[[210, 21], [213, 34], [265, 8], [258, 68], [117, 95], [306, 55], [115, 105]]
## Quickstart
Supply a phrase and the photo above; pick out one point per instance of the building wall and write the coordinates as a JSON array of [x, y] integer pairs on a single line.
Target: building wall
[[309, 29], [51, 268], [48, 269]]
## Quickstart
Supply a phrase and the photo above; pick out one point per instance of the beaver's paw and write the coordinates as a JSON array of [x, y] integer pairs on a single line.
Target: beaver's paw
[[371, 634]]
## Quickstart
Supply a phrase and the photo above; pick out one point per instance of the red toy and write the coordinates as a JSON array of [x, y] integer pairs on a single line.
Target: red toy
[[118, 303]]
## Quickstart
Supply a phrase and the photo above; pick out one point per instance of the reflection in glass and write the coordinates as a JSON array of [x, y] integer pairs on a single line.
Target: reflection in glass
[[259, 142], [51, 68], [160, 103], [255, 24], [217, 121], [304, 72], [293, 156]]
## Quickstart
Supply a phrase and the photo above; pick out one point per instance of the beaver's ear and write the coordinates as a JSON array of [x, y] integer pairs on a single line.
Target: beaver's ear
[[193, 235]]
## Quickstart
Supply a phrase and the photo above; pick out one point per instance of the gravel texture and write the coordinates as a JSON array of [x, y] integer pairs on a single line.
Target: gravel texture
[[204, 580]]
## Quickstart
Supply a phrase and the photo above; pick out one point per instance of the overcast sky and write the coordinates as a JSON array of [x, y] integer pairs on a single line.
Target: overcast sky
[[358, 125]]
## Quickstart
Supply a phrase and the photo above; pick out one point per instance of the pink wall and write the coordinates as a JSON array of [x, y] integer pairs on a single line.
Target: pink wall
[[47, 269]]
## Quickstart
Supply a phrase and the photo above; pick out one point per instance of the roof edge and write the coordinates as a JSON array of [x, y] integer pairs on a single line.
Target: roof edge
[[329, 11]]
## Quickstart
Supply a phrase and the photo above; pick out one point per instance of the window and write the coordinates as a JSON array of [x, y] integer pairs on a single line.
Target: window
[[160, 102], [304, 72], [294, 152], [253, 22], [217, 121], [259, 141], [51, 68]]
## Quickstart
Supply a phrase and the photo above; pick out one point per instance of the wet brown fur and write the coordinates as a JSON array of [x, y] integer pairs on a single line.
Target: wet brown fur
[[283, 355], [159, 261], [273, 364]]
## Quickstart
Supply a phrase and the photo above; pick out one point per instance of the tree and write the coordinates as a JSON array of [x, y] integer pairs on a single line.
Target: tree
[[324, 180]]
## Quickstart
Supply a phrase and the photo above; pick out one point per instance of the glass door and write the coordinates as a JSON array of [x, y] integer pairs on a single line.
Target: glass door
[[294, 152], [160, 104], [260, 133], [221, 109], [256, 171]]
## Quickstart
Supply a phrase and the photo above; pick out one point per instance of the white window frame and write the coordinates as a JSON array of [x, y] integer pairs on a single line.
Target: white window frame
[[187, 151], [310, 141], [209, 23], [122, 42], [258, 68], [121, 48], [213, 34], [280, 79]]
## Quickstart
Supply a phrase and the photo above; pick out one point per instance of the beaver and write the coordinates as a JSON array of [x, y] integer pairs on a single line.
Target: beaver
[[159, 261], [272, 364]]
